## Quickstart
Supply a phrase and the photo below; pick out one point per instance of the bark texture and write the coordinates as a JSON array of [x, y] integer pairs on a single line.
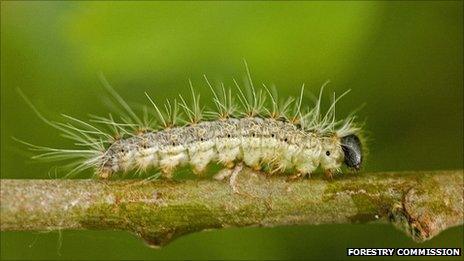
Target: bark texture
[[420, 203]]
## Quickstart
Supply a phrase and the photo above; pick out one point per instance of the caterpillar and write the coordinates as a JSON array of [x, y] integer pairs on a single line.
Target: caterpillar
[[260, 131]]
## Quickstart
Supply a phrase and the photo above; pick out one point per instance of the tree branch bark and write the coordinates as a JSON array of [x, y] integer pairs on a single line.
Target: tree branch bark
[[420, 203]]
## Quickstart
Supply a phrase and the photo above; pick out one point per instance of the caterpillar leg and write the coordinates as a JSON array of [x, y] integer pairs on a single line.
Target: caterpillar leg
[[222, 174], [232, 174], [235, 171], [167, 173], [104, 173], [329, 174], [298, 176], [257, 167], [295, 177]]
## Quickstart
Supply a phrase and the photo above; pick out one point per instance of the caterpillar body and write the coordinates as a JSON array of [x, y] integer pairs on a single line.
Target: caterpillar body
[[275, 136]]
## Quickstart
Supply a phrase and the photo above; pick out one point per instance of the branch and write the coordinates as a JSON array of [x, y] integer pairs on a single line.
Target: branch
[[420, 203]]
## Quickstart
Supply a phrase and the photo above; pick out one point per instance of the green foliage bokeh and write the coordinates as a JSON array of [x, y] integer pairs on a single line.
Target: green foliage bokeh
[[403, 60]]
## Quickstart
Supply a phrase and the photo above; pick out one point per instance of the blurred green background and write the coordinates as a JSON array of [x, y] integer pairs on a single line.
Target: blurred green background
[[403, 60]]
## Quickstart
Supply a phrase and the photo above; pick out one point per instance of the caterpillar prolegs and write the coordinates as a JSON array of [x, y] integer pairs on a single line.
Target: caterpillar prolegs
[[260, 131]]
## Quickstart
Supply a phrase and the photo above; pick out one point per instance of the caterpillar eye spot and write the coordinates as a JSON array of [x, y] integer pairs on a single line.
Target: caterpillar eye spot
[[272, 135], [327, 153], [286, 139], [228, 135]]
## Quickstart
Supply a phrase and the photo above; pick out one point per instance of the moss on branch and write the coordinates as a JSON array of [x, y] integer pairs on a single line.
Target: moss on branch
[[420, 203]]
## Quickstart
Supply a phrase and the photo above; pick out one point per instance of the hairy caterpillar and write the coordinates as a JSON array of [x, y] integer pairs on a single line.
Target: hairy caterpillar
[[260, 131]]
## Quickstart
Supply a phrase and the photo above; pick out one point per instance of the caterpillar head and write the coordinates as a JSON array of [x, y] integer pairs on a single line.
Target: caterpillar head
[[352, 150], [336, 151]]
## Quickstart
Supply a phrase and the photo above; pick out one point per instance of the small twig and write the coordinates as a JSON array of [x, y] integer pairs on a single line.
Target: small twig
[[421, 203]]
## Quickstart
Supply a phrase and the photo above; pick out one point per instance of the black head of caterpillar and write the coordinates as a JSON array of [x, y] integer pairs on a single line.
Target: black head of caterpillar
[[352, 149]]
